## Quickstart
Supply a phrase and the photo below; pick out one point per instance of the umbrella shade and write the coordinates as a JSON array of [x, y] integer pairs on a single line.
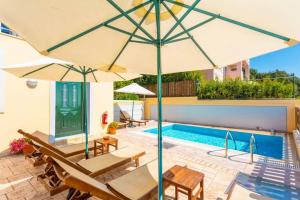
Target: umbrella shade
[[134, 88], [52, 69], [194, 34]]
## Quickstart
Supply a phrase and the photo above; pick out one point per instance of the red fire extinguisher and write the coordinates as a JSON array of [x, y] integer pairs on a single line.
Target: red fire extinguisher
[[104, 118]]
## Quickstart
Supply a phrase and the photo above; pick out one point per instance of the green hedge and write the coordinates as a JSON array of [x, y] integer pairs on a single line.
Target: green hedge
[[237, 89]]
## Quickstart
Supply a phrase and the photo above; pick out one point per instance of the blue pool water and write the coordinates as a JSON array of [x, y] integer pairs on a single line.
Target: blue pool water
[[266, 145]]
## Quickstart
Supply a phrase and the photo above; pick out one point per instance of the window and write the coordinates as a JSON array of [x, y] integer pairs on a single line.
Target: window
[[2, 91], [233, 69], [6, 30]]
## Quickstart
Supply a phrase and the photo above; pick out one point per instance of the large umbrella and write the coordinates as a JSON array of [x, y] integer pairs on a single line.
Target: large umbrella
[[144, 35], [134, 88], [45, 68]]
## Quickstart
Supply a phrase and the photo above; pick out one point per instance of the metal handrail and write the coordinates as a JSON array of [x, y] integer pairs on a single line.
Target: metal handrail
[[226, 142], [252, 142]]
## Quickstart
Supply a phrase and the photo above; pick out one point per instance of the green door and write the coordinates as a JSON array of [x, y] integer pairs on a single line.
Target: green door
[[69, 110]]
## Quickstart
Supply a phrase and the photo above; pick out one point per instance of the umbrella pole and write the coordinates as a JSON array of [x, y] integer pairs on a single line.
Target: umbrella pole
[[132, 111], [159, 94], [85, 118]]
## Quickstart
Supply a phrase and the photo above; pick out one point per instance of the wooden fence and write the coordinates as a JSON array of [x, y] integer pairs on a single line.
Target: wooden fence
[[176, 89]]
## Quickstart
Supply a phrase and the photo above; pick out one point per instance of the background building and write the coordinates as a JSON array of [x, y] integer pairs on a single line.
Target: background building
[[239, 70]]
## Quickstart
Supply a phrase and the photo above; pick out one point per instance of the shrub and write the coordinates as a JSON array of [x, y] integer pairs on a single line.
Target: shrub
[[237, 89], [113, 125]]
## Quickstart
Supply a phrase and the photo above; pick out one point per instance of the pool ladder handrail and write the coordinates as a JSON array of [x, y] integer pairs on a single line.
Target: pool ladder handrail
[[228, 133], [252, 142]]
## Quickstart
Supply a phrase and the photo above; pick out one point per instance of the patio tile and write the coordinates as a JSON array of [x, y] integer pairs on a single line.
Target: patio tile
[[3, 197], [18, 177]]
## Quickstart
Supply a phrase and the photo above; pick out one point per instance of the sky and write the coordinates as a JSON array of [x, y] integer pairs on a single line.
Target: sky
[[287, 59]]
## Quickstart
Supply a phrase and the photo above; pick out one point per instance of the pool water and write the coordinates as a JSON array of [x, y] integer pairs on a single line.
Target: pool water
[[265, 145]]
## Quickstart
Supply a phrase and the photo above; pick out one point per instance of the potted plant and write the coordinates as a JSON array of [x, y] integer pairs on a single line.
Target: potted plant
[[28, 147], [21, 145], [112, 127]]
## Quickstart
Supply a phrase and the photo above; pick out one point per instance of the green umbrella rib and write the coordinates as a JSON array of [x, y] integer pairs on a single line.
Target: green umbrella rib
[[97, 26], [192, 38], [130, 19], [189, 9], [231, 21], [41, 68], [131, 36]]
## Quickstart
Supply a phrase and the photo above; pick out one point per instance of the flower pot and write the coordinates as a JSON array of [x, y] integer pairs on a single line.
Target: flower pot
[[28, 149], [112, 130]]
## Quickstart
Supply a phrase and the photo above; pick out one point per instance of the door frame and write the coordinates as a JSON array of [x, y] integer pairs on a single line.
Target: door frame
[[52, 137]]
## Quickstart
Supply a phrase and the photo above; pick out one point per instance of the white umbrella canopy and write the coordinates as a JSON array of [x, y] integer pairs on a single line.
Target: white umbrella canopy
[[135, 88], [20, 59], [57, 70], [194, 34]]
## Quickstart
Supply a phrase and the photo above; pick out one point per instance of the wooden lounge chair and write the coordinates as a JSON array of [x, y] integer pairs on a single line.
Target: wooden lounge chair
[[93, 167], [41, 139], [140, 184], [124, 117]]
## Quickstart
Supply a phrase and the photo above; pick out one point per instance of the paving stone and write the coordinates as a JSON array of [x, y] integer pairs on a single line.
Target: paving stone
[[3, 197]]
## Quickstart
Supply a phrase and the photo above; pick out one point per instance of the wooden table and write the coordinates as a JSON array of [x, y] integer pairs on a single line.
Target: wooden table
[[101, 146], [185, 181]]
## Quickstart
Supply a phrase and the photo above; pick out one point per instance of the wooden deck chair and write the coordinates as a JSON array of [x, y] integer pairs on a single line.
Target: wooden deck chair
[[143, 182], [41, 139], [81, 185], [140, 184], [93, 167], [124, 117]]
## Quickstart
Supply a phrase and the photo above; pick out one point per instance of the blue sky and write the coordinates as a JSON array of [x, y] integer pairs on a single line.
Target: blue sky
[[287, 59]]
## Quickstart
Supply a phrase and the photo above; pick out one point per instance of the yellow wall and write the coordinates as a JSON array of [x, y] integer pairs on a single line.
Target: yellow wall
[[29, 109], [194, 101], [24, 108], [101, 101]]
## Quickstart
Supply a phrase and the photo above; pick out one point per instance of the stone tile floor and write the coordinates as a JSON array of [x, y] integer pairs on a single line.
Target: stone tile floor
[[18, 178]]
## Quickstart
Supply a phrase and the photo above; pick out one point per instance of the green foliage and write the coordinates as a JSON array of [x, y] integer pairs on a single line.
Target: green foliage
[[237, 89], [151, 79], [279, 75], [113, 125]]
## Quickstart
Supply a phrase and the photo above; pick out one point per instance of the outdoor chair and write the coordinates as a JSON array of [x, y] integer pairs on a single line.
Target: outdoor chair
[[139, 184], [40, 139], [124, 117], [92, 167]]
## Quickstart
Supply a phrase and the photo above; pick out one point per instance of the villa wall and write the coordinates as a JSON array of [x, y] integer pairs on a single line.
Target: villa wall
[[248, 114], [30, 109]]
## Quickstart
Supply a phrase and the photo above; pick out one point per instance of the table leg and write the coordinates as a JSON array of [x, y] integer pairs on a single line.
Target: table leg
[[190, 195], [117, 145], [95, 148], [176, 193], [202, 191]]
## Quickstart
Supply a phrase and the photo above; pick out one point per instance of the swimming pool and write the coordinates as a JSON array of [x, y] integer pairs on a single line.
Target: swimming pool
[[266, 145]]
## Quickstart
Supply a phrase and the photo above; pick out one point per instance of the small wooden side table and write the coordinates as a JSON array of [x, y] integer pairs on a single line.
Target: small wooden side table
[[101, 146], [185, 181]]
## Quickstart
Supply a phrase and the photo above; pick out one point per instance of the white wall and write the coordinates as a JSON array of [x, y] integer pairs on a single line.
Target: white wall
[[2, 92], [248, 117], [126, 106]]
